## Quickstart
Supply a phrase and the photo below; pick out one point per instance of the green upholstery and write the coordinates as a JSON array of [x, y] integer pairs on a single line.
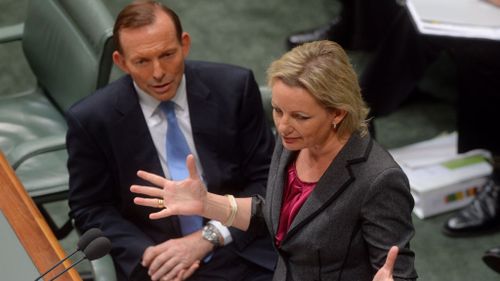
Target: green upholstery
[[265, 93], [64, 42], [68, 46]]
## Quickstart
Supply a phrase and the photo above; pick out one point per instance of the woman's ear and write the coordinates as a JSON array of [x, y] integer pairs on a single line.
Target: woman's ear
[[337, 116]]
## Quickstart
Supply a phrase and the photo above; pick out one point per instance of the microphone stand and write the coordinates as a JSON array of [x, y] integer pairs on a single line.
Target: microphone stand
[[65, 270], [52, 268]]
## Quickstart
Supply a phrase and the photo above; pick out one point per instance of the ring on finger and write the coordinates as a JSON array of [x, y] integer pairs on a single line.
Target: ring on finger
[[160, 204]]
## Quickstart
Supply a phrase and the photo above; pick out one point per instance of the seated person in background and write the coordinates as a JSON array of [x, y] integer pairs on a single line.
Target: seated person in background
[[336, 200], [393, 74], [164, 109], [361, 25]]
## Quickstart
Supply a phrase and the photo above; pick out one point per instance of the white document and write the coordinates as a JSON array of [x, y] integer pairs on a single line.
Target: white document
[[440, 178], [457, 18]]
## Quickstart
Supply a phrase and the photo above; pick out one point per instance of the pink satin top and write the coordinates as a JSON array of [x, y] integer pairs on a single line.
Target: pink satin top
[[295, 194]]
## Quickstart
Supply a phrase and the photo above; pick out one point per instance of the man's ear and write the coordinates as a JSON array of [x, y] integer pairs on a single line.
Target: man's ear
[[119, 60], [186, 44]]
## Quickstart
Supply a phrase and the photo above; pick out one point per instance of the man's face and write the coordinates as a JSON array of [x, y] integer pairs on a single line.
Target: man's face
[[154, 57]]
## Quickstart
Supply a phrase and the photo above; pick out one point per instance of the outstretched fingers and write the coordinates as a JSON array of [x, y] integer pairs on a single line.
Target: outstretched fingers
[[147, 190], [191, 166], [184, 197], [152, 178]]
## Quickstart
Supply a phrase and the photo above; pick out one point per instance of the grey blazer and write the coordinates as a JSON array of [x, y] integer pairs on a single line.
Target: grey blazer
[[360, 207]]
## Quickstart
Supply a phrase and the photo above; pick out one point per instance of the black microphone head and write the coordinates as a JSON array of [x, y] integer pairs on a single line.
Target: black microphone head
[[88, 237], [97, 248]]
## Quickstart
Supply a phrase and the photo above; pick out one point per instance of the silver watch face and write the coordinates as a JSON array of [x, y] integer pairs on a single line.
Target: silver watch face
[[210, 234]]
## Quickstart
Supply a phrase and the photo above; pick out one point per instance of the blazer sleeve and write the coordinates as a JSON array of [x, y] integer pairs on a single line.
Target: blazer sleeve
[[386, 221], [93, 197]]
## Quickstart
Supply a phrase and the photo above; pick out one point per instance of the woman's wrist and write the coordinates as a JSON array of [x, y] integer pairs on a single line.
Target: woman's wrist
[[216, 207], [221, 208]]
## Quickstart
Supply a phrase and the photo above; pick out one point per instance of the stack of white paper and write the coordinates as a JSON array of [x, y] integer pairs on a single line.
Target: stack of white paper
[[457, 18], [441, 179]]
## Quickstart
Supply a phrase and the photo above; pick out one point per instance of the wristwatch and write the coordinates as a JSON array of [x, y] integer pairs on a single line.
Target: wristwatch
[[211, 234]]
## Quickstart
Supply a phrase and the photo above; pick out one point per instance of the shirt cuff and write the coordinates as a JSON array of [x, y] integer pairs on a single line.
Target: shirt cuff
[[224, 231]]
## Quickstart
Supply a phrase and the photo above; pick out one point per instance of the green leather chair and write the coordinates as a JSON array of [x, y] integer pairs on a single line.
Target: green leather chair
[[265, 94], [68, 46]]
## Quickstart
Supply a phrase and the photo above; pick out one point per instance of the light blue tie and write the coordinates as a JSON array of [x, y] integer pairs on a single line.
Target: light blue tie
[[177, 151]]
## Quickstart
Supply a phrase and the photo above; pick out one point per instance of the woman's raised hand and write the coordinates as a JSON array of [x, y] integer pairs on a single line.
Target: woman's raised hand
[[186, 197], [385, 272]]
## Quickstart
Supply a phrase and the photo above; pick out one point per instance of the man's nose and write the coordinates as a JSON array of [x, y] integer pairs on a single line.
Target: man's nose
[[158, 72]]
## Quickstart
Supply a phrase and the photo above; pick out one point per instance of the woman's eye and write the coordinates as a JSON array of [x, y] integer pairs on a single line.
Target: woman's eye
[[301, 117]]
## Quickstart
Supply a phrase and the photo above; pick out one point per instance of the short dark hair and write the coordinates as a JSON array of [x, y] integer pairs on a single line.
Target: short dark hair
[[141, 13]]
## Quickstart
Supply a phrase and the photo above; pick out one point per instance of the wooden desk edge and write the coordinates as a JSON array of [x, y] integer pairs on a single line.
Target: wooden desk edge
[[29, 224]]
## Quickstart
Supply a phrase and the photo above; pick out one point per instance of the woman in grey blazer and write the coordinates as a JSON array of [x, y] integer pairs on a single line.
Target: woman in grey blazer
[[336, 200]]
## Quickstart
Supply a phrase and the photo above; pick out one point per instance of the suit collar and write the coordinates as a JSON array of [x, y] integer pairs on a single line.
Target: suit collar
[[334, 181], [126, 97]]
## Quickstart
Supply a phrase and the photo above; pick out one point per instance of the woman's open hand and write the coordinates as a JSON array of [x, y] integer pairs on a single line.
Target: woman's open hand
[[186, 197]]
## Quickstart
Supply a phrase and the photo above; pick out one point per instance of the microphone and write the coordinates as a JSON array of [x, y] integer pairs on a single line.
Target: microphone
[[89, 236], [97, 248], [94, 250]]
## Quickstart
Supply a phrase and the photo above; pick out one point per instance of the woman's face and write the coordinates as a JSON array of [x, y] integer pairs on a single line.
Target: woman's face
[[300, 120]]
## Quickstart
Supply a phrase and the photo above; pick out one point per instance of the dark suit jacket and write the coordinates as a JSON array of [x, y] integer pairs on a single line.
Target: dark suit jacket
[[360, 207], [108, 142]]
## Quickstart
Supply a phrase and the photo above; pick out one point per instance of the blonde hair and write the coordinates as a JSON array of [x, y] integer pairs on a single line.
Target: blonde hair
[[323, 69]]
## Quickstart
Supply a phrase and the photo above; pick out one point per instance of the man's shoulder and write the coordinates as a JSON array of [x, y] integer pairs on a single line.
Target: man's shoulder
[[104, 97], [123, 84], [215, 68]]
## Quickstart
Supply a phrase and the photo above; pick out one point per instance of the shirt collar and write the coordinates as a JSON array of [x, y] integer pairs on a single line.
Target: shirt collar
[[150, 104]]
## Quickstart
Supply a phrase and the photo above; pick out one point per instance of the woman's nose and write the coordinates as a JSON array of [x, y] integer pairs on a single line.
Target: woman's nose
[[283, 126]]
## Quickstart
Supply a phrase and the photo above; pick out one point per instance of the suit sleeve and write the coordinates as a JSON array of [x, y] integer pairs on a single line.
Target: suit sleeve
[[94, 196], [386, 221], [256, 147]]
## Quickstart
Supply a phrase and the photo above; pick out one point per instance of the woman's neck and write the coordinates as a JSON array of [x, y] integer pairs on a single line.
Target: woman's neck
[[312, 162]]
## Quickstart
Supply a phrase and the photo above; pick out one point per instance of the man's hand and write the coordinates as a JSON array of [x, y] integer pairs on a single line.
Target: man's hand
[[385, 273], [176, 259]]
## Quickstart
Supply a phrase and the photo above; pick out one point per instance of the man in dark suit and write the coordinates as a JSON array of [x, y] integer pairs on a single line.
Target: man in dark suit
[[121, 129]]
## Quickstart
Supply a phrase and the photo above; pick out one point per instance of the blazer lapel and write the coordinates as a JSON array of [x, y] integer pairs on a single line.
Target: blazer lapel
[[336, 179], [203, 113], [277, 180], [131, 129]]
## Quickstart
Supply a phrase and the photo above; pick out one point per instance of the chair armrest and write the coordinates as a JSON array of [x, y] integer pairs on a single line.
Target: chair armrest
[[28, 149], [104, 269], [11, 33]]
